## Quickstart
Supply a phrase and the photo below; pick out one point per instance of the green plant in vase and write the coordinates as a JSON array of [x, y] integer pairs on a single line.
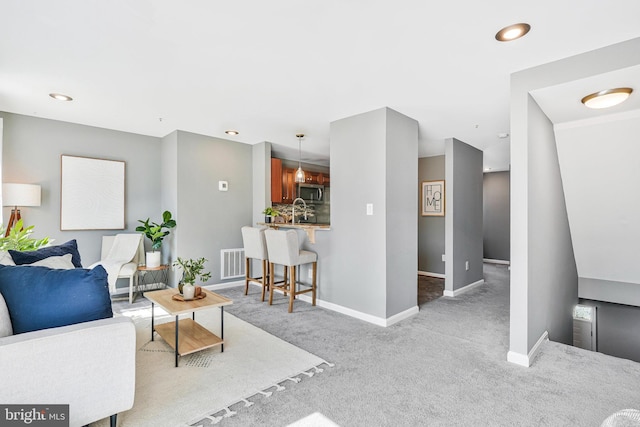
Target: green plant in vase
[[192, 270], [269, 213], [156, 233]]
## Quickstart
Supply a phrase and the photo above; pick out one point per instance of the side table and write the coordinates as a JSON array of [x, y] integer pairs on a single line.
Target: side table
[[186, 336], [153, 278]]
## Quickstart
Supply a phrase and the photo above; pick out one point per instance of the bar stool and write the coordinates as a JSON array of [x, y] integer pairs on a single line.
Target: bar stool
[[284, 249], [255, 248]]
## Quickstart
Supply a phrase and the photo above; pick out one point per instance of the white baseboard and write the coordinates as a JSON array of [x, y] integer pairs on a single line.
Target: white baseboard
[[527, 360], [380, 321], [428, 273], [355, 313], [225, 285], [460, 291], [496, 261], [401, 316]]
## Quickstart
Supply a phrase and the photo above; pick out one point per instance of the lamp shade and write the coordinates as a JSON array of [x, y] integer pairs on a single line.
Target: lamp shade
[[20, 195]]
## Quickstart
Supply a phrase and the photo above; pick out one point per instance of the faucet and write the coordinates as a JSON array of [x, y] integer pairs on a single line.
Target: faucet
[[293, 210]]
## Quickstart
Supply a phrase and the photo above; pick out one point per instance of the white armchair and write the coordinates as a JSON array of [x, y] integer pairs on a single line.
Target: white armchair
[[127, 270]]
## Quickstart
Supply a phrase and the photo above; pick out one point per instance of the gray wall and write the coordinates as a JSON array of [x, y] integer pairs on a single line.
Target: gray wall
[[209, 219], [261, 166], [463, 214], [32, 149], [496, 216], [169, 199], [552, 266], [431, 230], [357, 244], [529, 169], [401, 206], [617, 327], [363, 248]]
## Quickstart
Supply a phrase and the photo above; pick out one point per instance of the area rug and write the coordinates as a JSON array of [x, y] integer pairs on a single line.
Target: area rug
[[210, 381]]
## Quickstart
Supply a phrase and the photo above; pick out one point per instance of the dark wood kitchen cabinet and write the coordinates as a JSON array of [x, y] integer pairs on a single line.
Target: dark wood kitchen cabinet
[[276, 180], [289, 186]]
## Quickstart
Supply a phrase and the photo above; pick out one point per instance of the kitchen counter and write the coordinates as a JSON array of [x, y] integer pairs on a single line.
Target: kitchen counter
[[310, 229]]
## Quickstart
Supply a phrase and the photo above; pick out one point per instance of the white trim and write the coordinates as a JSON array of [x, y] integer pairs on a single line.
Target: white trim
[[360, 315], [496, 261], [401, 316], [224, 285], [379, 321], [518, 359], [526, 361], [536, 348], [460, 291], [428, 273]]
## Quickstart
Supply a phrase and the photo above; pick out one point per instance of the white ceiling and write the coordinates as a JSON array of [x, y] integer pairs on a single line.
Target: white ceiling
[[273, 69]]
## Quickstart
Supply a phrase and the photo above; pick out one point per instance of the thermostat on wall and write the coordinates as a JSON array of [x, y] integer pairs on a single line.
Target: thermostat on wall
[[223, 185]]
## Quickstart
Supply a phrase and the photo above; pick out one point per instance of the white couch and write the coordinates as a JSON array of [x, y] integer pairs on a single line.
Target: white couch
[[90, 366]]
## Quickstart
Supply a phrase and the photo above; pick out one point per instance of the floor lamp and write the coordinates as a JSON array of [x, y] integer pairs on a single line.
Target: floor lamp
[[19, 195]]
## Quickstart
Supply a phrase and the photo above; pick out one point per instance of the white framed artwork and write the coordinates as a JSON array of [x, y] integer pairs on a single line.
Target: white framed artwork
[[432, 198], [92, 193]]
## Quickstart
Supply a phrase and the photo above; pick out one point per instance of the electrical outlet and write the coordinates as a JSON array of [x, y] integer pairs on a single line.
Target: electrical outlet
[[466, 265], [369, 208], [443, 258]]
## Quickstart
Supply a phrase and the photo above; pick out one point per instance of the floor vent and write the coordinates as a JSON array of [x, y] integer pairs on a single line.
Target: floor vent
[[231, 263]]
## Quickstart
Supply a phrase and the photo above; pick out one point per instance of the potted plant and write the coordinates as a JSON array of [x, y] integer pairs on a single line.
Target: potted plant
[[18, 239], [192, 269], [156, 233], [268, 213]]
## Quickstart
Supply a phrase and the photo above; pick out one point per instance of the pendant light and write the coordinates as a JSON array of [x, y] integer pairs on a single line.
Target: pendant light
[[299, 172]]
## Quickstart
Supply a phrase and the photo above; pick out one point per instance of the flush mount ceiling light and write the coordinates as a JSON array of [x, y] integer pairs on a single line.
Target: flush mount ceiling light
[[61, 97], [512, 32], [299, 172], [231, 132], [607, 98]]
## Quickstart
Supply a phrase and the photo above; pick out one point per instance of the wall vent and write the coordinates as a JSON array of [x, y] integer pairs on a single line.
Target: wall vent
[[231, 263]]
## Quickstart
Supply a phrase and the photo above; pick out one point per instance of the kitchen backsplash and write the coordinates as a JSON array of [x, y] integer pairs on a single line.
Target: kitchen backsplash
[[316, 214]]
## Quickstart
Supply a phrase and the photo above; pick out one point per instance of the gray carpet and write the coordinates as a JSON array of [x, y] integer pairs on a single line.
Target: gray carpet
[[445, 366]]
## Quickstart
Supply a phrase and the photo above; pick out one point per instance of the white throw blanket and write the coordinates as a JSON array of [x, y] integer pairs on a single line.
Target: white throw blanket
[[122, 252]]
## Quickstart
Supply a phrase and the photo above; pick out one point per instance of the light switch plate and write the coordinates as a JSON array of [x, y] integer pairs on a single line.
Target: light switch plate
[[369, 208], [223, 185]]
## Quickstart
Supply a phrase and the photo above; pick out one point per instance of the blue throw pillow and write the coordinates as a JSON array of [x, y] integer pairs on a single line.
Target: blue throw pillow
[[41, 298], [29, 257]]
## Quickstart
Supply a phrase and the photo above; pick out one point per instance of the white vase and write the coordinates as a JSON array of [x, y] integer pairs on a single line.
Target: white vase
[[189, 292], [153, 259]]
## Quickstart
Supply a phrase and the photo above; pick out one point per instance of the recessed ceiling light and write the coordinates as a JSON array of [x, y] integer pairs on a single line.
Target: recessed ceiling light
[[61, 97], [607, 98], [512, 32], [231, 132]]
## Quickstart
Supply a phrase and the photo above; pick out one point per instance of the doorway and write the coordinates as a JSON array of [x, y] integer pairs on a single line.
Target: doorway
[[429, 289]]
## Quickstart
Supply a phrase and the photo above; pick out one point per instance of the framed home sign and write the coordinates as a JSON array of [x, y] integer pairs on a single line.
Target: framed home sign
[[432, 198], [91, 194]]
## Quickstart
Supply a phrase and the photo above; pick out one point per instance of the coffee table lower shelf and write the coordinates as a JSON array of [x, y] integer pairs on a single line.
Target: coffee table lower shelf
[[192, 336]]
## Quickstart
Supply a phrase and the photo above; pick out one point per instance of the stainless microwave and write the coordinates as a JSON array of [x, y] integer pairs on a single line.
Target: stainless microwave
[[312, 193]]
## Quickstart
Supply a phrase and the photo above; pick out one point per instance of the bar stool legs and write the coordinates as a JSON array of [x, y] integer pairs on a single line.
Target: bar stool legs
[[289, 284], [263, 280]]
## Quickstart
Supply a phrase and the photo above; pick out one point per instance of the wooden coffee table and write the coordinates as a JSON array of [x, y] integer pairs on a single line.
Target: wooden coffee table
[[189, 336]]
